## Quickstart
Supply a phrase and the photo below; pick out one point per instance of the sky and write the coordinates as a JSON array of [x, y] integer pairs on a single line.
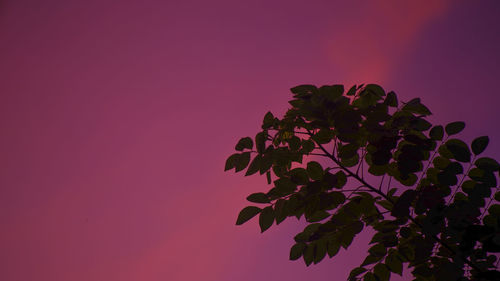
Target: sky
[[116, 118]]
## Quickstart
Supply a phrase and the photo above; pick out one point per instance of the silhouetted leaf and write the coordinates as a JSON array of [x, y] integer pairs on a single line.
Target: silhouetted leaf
[[299, 176], [487, 164], [391, 100], [394, 264], [247, 213], [356, 271], [369, 277], [459, 149], [254, 166], [415, 106], [244, 143], [260, 142], [231, 161], [402, 206], [382, 272], [258, 198], [479, 144], [309, 254], [454, 128], [242, 161], [268, 120], [436, 133], [314, 170], [296, 251], [266, 218]]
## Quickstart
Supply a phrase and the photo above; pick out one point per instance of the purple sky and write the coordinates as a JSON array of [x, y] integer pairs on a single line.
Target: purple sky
[[117, 117]]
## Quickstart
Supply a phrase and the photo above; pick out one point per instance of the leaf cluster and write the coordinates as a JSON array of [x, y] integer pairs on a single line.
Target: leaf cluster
[[430, 197]]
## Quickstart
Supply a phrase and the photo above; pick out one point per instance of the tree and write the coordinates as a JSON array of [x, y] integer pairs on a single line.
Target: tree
[[348, 161]]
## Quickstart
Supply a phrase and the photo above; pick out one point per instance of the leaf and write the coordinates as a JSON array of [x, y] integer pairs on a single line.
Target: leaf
[[369, 277], [254, 166], [341, 179], [299, 176], [268, 120], [370, 260], [402, 206], [260, 142], [375, 89], [231, 161], [377, 251], [296, 251], [394, 264], [247, 213], [242, 162], [382, 272], [487, 164], [309, 254], [436, 133], [459, 149], [320, 250], [391, 99], [314, 170], [246, 142], [356, 271], [479, 144], [333, 247], [454, 128], [258, 198], [414, 106], [266, 218]]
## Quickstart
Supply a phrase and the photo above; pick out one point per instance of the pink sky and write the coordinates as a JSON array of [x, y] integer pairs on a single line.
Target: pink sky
[[117, 117]]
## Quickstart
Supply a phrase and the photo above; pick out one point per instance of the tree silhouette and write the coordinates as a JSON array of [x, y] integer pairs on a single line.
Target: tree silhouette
[[428, 196]]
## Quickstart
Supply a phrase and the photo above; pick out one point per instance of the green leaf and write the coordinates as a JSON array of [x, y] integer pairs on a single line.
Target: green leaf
[[394, 264], [296, 251], [281, 210], [247, 213], [479, 144], [382, 272], [246, 142], [332, 92], [299, 176], [318, 216], [371, 259], [314, 170], [266, 218], [333, 247], [459, 149], [260, 141], [320, 250], [231, 161], [268, 120], [303, 90], [254, 166], [341, 179], [258, 198], [309, 254], [436, 133], [242, 162], [375, 89], [454, 128], [377, 251], [487, 164], [356, 271], [414, 106]]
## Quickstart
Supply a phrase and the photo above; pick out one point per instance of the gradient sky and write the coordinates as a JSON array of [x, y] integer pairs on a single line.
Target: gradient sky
[[116, 118]]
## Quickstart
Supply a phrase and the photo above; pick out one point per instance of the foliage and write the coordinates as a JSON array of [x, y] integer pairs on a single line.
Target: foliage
[[433, 207]]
